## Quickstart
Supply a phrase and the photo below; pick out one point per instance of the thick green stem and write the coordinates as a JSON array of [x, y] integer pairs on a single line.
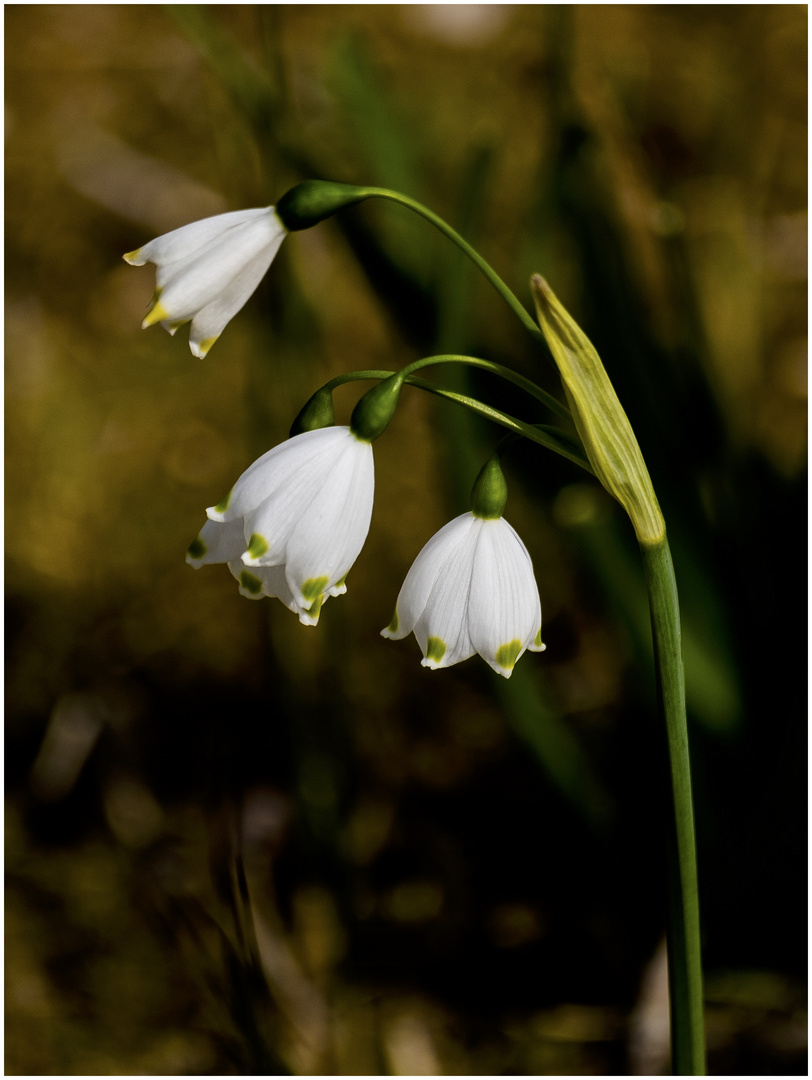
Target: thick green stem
[[684, 955]]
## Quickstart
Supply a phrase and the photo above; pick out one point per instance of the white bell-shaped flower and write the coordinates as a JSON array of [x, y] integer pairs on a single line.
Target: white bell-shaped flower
[[207, 270], [295, 521], [471, 590]]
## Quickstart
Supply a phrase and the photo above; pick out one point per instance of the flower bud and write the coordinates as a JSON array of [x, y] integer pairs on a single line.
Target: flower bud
[[314, 200], [317, 413], [605, 431], [489, 493], [376, 408]]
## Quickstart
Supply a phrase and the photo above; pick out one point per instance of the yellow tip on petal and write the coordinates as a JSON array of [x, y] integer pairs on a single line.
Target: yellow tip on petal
[[200, 348], [132, 257], [158, 314]]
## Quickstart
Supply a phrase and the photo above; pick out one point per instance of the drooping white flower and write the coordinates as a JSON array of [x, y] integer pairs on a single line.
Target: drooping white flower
[[295, 521], [206, 271], [471, 590]]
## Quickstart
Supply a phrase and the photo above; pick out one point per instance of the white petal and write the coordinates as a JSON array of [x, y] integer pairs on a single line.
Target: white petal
[[276, 469], [209, 323], [191, 283], [294, 484], [216, 543], [504, 611], [424, 573], [422, 576], [331, 532], [442, 629], [257, 582], [290, 489], [188, 238]]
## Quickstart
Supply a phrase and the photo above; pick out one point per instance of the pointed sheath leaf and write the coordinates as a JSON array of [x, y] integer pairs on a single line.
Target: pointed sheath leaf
[[604, 428]]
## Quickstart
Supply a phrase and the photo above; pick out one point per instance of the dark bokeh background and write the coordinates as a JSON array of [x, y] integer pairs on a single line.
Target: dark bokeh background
[[239, 845]]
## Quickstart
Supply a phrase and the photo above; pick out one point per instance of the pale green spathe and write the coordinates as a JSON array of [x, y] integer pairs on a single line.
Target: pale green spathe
[[605, 431]]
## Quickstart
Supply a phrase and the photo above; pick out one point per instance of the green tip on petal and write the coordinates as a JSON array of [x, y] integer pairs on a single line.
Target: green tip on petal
[[507, 655], [257, 545], [222, 506], [250, 585], [435, 649], [315, 609], [392, 628], [538, 644], [132, 257], [313, 588], [197, 549]]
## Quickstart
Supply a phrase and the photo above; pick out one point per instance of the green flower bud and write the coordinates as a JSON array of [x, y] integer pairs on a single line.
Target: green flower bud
[[314, 200], [489, 493], [372, 414], [605, 431], [317, 413]]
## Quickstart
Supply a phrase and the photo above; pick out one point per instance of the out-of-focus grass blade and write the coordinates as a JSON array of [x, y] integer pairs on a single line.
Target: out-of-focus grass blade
[[384, 146], [537, 723], [252, 89], [711, 686]]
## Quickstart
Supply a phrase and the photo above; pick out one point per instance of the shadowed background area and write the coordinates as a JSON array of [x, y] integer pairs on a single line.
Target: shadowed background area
[[237, 845]]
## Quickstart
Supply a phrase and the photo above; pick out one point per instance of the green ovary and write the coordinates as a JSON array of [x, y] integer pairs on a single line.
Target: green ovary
[[250, 583], [435, 649], [506, 655], [197, 549], [257, 546], [313, 588]]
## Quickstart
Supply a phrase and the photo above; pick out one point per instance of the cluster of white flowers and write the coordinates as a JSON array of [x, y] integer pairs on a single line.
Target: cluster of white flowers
[[296, 520]]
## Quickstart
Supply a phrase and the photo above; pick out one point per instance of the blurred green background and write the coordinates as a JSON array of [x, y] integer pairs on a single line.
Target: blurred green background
[[237, 845]]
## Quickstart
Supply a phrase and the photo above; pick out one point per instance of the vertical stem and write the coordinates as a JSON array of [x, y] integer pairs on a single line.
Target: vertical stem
[[684, 958]]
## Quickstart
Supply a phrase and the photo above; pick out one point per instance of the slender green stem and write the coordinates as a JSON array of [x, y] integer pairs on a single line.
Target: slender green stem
[[684, 956], [497, 369], [516, 306], [553, 439]]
